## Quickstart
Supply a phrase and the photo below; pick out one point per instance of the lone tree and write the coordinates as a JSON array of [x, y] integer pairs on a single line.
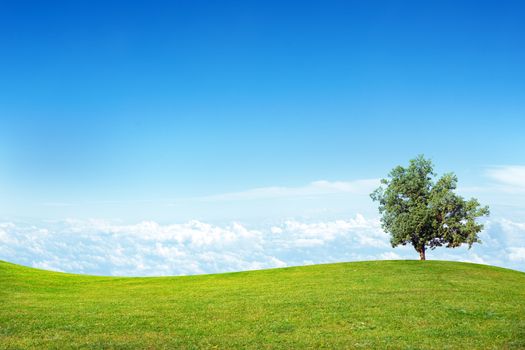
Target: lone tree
[[419, 209]]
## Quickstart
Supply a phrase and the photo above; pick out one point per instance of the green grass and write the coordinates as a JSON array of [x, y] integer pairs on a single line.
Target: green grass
[[379, 304]]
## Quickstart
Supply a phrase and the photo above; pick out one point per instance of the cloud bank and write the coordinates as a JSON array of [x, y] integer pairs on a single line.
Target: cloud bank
[[149, 248]]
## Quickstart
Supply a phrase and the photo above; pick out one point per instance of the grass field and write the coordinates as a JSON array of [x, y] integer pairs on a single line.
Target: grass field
[[379, 304]]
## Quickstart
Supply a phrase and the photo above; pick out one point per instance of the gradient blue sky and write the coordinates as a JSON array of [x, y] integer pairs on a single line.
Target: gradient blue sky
[[178, 110]]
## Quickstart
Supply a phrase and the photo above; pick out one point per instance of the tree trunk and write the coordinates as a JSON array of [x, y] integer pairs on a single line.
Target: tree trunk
[[422, 254]]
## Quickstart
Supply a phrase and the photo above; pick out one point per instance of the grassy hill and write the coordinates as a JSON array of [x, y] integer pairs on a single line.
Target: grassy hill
[[379, 304]]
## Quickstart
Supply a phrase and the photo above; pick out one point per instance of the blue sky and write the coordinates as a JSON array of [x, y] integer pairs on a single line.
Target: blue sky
[[253, 112]]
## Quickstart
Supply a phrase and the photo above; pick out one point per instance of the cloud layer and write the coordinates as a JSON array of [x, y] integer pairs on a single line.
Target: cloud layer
[[149, 248]]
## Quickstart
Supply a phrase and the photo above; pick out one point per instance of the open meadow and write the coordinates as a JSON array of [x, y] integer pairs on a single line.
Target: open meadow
[[362, 305]]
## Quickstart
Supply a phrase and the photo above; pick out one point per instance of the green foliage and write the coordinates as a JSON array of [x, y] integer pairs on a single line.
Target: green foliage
[[365, 305], [421, 210]]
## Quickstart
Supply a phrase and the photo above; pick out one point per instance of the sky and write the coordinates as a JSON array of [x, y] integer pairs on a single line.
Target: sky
[[183, 137]]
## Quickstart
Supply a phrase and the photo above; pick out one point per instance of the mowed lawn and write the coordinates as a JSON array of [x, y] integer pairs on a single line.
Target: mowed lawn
[[379, 304]]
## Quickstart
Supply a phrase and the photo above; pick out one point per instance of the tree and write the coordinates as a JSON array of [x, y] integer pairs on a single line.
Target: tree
[[419, 209]]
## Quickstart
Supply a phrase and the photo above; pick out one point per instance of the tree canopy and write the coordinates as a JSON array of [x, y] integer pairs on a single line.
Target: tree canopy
[[420, 209]]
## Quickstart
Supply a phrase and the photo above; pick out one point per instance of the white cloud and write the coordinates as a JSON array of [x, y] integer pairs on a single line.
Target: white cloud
[[47, 265], [316, 188], [509, 178], [146, 248], [512, 233], [276, 230], [150, 248], [389, 256], [474, 258], [308, 242], [517, 254], [361, 232]]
